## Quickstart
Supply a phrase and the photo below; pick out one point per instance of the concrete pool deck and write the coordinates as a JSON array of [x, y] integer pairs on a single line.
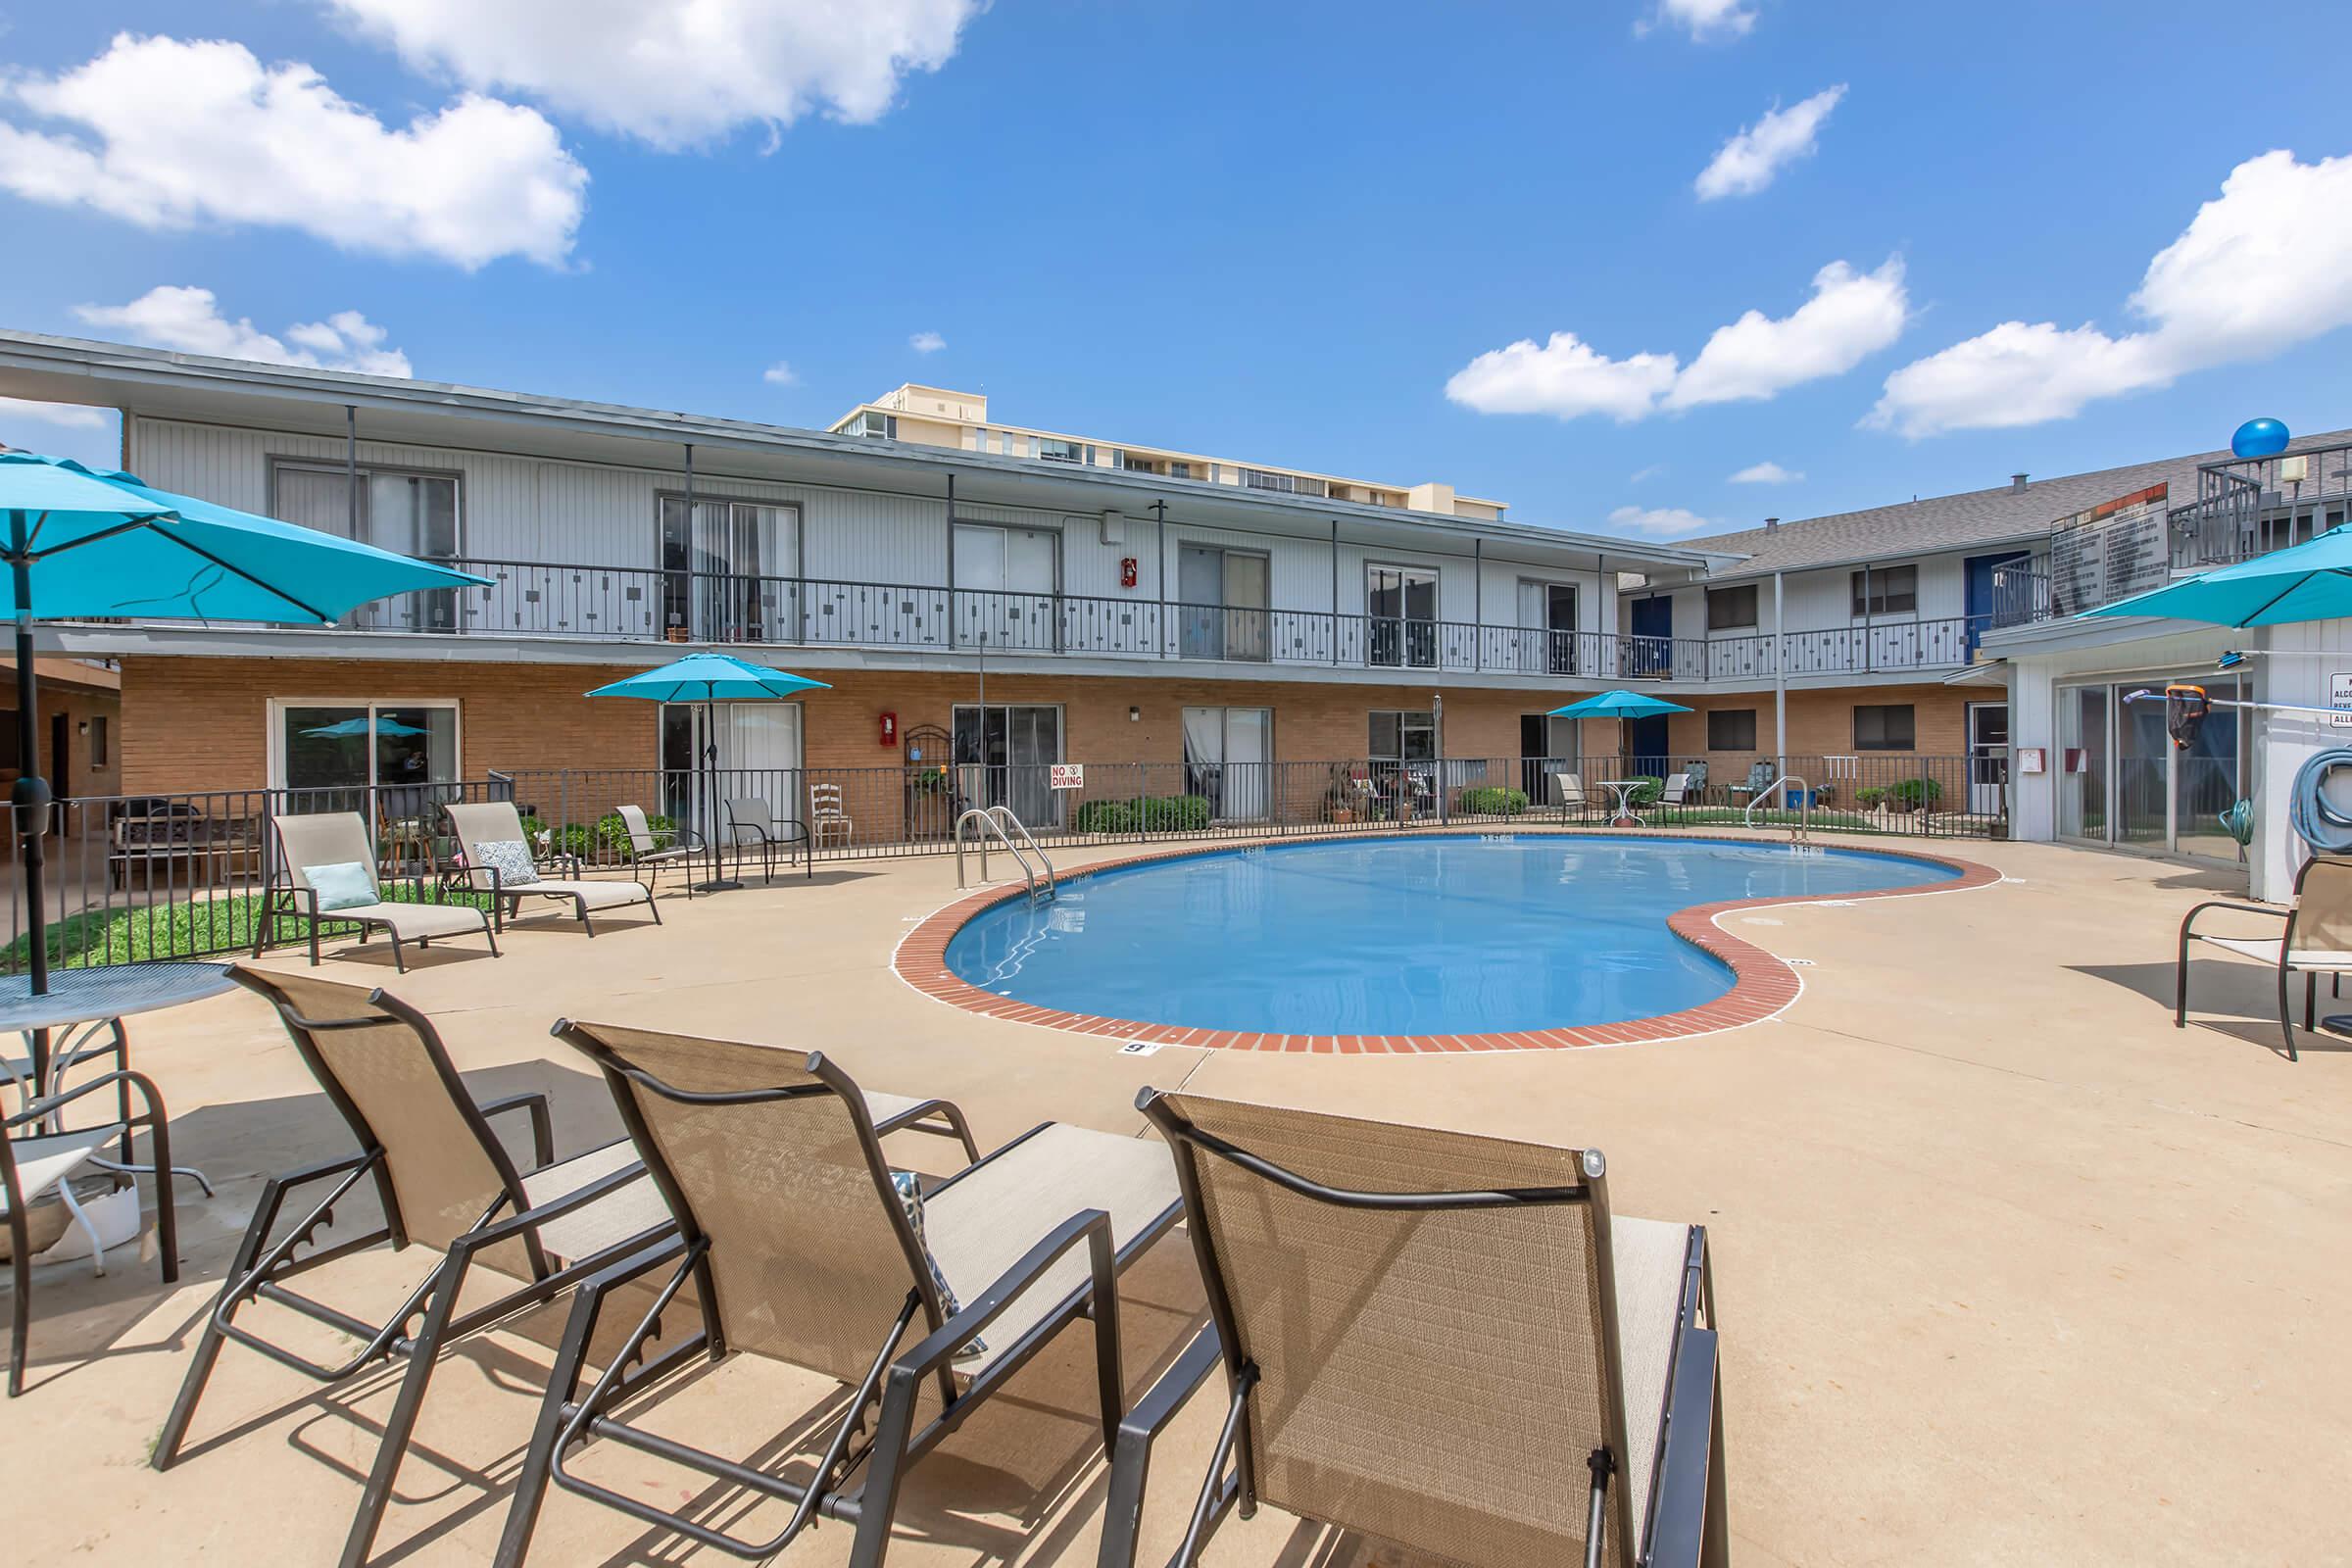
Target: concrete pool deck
[[2009, 1269]]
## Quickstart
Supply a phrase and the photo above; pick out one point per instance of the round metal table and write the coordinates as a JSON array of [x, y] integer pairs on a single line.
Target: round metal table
[[82, 1005]]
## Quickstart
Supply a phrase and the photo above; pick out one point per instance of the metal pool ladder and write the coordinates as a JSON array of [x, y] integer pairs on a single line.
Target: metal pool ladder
[[1802, 831], [994, 821]]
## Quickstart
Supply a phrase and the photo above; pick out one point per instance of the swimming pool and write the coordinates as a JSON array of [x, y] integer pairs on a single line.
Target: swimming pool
[[1415, 936]]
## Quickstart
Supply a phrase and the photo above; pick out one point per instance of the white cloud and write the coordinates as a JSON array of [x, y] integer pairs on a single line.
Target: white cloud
[[926, 342], [677, 74], [1755, 157], [189, 321], [1650, 472], [2264, 266], [1766, 472], [1702, 19], [1658, 523], [1850, 316], [780, 374], [169, 135], [70, 416]]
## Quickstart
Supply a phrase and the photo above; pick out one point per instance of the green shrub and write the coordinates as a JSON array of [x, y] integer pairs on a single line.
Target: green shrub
[[1648, 789], [1869, 796], [1176, 814], [1910, 794], [1104, 817], [1489, 799]]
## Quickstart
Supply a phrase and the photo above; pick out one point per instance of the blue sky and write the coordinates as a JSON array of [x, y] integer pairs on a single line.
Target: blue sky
[[1304, 233]]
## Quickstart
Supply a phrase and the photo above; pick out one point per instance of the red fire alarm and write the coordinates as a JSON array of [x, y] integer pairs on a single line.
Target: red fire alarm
[[890, 729], [1126, 571]]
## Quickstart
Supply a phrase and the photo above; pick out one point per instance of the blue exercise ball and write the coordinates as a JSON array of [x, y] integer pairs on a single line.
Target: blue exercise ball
[[2259, 438]]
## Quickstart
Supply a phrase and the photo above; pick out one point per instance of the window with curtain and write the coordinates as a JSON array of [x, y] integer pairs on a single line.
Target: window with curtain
[[413, 513]]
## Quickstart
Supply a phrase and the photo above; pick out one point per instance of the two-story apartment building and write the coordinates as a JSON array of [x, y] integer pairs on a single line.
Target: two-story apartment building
[[938, 417], [971, 607]]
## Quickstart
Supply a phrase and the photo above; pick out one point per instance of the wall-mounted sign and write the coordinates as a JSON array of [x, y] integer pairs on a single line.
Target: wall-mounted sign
[[2339, 694], [1066, 777], [2032, 760]]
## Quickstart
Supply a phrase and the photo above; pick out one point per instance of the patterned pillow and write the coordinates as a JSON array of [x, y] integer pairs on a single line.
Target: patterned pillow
[[510, 859], [344, 885], [911, 1197]]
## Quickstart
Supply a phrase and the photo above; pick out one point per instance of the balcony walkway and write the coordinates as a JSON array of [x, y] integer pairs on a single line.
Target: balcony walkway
[[1965, 1231]]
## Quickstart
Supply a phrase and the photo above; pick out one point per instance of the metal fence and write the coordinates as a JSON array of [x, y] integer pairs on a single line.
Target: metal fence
[[158, 876]]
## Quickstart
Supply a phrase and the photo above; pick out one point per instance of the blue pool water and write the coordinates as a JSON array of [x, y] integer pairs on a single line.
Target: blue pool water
[[1432, 935]]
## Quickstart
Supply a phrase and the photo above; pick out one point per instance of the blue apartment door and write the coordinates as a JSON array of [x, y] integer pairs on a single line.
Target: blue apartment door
[[1981, 599], [1653, 648]]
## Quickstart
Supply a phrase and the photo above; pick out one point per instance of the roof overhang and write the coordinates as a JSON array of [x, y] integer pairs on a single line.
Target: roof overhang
[[299, 400]]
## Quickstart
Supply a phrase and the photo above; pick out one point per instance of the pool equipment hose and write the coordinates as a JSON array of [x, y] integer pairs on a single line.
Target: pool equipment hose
[[2327, 829]]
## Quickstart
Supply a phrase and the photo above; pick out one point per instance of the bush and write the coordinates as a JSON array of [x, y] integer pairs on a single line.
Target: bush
[[1488, 800], [606, 839], [1104, 817], [1869, 796], [1154, 813], [1648, 789], [1910, 794]]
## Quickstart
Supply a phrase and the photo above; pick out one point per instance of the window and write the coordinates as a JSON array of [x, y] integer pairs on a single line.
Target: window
[[879, 427], [1732, 608], [1730, 729], [1052, 448], [98, 741], [1885, 728], [1403, 737], [1887, 591], [408, 510], [1289, 484], [336, 750]]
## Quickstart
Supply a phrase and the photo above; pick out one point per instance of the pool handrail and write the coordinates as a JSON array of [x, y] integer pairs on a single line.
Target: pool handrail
[[992, 820], [1803, 829]]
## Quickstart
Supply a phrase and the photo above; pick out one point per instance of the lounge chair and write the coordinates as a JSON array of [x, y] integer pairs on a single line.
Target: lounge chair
[[315, 841], [649, 854], [511, 874], [445, 1182], [752, 825], [803, 1250], [38, 1156], [1443, 1340], [2316, 939], [1568, 794]]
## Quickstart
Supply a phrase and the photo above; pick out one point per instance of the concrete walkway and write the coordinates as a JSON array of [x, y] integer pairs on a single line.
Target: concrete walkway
[[2010, 1271]]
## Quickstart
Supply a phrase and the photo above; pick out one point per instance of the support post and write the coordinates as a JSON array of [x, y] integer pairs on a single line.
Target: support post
[[950, 561], [351, 469], [693, 591], [1779, 676], [1335, 590], [1159, 543], [1478, 603]]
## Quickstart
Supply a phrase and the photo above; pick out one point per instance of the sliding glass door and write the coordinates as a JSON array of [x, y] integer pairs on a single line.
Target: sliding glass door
[[1004, 756], [2123, 782], [1228, 758], [727, 573], [1005, 581], [1223, 606], [1401, 606]]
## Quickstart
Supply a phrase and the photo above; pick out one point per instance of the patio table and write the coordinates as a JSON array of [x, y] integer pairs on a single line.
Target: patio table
[[80, 1006], [1623, 789]]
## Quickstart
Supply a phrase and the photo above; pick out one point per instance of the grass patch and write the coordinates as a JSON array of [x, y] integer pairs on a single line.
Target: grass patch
[[184, 928]]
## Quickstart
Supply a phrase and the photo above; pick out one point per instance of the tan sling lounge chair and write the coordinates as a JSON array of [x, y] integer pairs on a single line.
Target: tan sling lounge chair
[[1568, 793], [803, 1250], [485, 824], [649, 854], [2316, 941], [1442, 1339], [339, 838]]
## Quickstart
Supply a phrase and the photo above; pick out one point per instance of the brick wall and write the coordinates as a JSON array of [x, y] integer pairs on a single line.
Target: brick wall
[[1821, 722]]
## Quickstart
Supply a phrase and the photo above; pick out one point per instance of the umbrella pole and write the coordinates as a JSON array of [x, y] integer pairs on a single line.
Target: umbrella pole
[[718, 882], [31, 793]]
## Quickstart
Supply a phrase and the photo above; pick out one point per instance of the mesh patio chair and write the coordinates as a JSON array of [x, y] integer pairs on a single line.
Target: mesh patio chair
[[323, 839], [2316, 940], [446, 1183], [1568, 794], [491, 822], [1442, 1339], [39, 1155], [803, 1250], [647, 851], [752, 824]]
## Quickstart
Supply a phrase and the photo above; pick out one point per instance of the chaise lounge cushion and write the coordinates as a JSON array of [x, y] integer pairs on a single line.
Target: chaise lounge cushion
[[595, 894], [420, 919]]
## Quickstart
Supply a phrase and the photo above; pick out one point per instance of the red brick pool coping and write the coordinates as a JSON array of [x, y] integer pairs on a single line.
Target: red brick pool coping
[[1761, 984]]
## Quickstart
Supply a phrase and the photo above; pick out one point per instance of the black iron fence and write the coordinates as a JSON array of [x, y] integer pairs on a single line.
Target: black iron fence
[[171, 876]]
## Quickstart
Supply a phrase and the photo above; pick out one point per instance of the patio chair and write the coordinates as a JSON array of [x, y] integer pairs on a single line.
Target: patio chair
[[498, 860], [2315, 940], [827, 817], [1443, 1339], [803, 1250], [1568, 794], [37, 1156], [339, 838], [1677, 790], [647, 854], [751, 824]]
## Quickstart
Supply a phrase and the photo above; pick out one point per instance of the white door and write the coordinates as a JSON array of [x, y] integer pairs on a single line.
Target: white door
[[1988, 756], [1249, 762]]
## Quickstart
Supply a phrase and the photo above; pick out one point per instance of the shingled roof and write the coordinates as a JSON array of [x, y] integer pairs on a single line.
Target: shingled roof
[[2001, 516]]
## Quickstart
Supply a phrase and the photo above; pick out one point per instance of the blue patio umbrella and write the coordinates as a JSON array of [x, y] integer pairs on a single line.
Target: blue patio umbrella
[[81, 541], [2309, 581], [1619, 705], [352, 727], [709, 678]]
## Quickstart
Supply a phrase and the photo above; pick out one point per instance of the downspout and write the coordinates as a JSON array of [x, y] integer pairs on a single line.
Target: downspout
[[690, 574], [351, 470], [1779, 676]]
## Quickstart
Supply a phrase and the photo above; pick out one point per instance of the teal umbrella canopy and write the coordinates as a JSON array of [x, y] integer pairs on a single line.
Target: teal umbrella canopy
[[1619, 705], [103, 544], [2309, 581], [710, 678]]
